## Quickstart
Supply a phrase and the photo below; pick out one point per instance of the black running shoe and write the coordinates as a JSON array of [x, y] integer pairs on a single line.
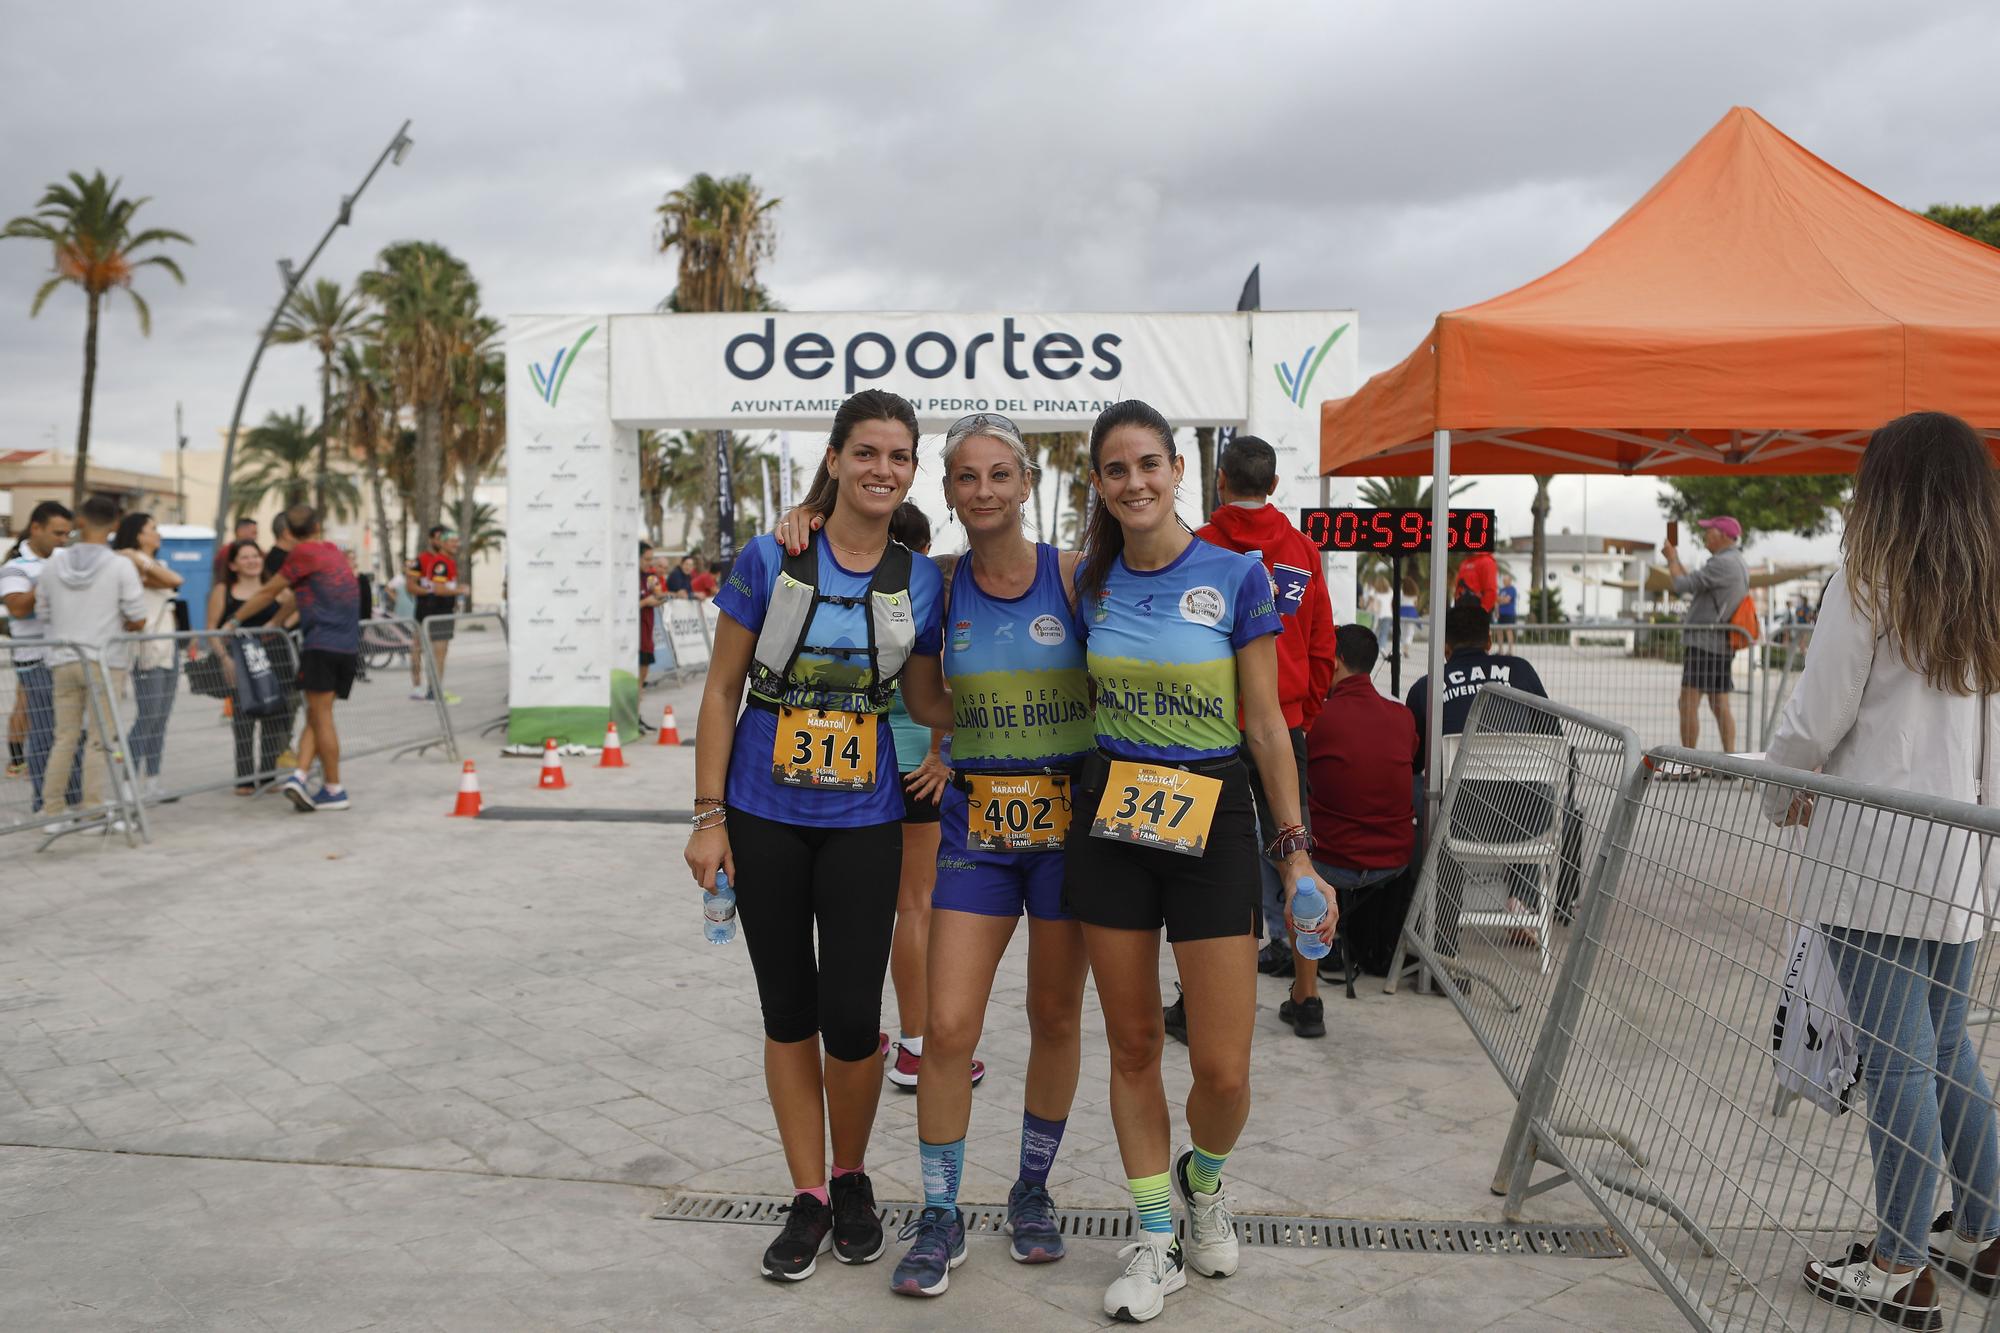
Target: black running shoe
[[857, 1227], [1275, 960], [808, 1227], [1307, 1017], [1176, 1017]]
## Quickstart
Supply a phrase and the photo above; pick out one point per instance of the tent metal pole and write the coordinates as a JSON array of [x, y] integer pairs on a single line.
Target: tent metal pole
[[1440, 559]]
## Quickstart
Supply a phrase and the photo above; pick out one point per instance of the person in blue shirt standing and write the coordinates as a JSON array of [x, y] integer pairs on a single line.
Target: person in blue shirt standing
[[1177, 633], [1506, 612], [798, 801]]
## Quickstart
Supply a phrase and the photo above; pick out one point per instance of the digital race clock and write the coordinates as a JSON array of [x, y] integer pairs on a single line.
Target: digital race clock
[[1395, 531]]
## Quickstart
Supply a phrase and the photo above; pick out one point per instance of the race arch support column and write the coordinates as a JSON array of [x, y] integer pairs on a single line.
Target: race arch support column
[[572, 536], [1298, 359]]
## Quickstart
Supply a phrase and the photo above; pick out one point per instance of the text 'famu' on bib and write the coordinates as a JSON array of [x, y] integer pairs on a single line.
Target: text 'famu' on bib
[[1152, 805], [824, 749]]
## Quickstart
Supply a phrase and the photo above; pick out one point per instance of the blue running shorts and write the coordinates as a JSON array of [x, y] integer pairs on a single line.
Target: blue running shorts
[[993, 883]]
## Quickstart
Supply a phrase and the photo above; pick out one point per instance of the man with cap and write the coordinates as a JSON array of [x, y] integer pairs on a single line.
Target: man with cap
[[1714, 592]]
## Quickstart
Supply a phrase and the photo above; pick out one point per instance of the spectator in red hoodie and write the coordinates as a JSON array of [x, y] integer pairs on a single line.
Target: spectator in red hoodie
[[1246, 521], [1479, 579]]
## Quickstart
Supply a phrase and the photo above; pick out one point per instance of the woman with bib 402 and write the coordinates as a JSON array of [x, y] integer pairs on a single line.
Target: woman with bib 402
[[1179, 632], [1021, 723], [798, 801]]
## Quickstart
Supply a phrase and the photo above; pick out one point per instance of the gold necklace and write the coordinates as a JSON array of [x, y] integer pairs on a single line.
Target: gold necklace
[[853, 552]]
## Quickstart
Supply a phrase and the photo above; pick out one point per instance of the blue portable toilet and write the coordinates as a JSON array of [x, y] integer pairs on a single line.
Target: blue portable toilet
[[190, 552]]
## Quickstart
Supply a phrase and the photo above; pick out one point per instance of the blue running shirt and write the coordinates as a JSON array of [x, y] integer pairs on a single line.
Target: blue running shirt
[[1020, 694], [1163, 652], [743, 598]]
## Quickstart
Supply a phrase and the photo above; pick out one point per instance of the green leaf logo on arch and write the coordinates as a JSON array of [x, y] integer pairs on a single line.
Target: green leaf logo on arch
[[1297, 380], [549, 382]]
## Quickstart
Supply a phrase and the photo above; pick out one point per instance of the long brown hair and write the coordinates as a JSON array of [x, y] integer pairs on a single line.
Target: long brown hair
[[1103, 537], [868, 405], [1923, 549]]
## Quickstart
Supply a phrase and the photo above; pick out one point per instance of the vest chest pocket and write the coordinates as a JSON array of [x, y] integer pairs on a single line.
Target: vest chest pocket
[[824, 749]]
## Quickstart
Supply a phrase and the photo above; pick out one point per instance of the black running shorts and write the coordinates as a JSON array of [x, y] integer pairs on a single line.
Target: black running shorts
[[1706, 671], [1116, 884], [323, 672]]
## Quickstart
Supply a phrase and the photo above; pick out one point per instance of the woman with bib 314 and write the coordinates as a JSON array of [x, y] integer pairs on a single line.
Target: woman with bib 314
[[798, 802], [1179, 632]]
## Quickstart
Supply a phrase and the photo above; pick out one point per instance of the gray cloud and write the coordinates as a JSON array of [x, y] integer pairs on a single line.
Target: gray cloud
[[1396, 159]]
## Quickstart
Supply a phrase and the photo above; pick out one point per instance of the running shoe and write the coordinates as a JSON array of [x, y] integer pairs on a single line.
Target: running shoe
[[329, 800], [17, 768], [1211, 1228], [881, 1043], [294, 788], [1175, 1016], [420, 695], [903, 1073], [807, 1234], [1853, 1282], [451, 698], [1306, 1018], [1156, 1271], [1031, 1221], [1275, 960], [925, 1270], [857, 1227]]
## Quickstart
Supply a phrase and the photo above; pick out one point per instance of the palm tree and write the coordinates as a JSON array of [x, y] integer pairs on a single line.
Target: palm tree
[[1539, 562], [482, 533], [479, 412], [429, 308], [329, 319], [1065, 457], [278, 456], [721, 228], [1402, 493], [89, 227], [367, 416]]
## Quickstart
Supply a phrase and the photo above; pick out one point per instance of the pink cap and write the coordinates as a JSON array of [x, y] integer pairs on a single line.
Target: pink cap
[[1725, 525]]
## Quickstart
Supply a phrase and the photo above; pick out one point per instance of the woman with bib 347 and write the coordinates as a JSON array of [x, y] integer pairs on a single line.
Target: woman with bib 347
[[1178, 633], [798, 802]]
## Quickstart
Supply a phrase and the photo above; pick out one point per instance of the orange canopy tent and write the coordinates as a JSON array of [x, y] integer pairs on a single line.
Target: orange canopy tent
[[1756, 312]]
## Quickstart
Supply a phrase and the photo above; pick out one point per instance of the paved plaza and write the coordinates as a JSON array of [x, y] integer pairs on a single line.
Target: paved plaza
[[386, 1069]]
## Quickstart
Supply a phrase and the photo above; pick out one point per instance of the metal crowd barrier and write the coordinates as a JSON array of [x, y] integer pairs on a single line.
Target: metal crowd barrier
[[464, 661], [98, 764], [183, 741], [1629, 673], [1716, 972], [1534, 791]]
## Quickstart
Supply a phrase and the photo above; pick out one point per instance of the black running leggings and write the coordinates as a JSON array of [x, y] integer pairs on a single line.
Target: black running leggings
[[791, 879]]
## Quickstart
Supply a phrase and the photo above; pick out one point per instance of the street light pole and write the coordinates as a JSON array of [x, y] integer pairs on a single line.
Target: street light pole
[[398, 149]]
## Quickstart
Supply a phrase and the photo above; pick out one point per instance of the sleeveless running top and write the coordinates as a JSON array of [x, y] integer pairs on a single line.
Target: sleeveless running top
[[230, 603], [1020, 689]]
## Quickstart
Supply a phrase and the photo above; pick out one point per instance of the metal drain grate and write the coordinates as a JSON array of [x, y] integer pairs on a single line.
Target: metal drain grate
[[1543, 1240]]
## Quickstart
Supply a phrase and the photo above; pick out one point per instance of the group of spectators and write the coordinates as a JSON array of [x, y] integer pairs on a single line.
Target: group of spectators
[[91, 587], [662, 579]]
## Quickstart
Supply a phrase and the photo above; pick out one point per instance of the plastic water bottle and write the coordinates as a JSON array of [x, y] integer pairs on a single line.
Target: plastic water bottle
[[718, 910], [1308, 910]]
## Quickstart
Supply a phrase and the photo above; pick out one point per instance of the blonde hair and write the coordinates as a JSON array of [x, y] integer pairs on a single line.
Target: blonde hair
[[1923, 549]]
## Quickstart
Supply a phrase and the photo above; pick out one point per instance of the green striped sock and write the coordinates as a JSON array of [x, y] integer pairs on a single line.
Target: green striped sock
[[1204, 1172], [1152, 1198]]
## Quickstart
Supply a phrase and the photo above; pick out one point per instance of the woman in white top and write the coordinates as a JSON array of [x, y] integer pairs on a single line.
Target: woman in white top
[[1895, 692], [153, 668]]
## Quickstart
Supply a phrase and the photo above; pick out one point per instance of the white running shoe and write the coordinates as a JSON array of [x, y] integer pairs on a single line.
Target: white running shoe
[[1211, 1227], [1155, 1272]]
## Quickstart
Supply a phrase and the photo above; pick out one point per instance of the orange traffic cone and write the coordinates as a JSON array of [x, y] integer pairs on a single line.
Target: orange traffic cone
[[552, 769], [468, 794], [614, 753], [670, 732]]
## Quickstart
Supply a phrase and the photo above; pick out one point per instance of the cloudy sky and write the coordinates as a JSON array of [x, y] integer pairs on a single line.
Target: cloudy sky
[[1399, 159]]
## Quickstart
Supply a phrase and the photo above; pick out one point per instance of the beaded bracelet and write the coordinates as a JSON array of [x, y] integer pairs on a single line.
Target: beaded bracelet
[[1291, 838], [709, 819], [700, 801]]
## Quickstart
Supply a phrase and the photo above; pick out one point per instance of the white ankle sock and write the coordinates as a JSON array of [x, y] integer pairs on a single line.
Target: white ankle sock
[[914, 1045]]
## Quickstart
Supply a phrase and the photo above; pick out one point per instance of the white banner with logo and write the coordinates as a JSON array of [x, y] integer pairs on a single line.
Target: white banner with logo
[[1047, 372], [572, 533], [1299, 359]]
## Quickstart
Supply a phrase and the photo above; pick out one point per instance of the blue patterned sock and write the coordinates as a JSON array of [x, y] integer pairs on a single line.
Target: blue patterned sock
[[1039, 1140], [1153, 1200], [1204, 1171], [943, 1166]]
